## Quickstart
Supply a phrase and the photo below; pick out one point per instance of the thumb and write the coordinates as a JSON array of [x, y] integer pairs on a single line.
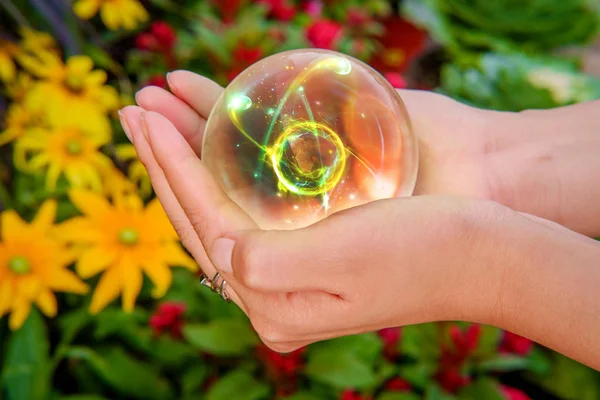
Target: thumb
[[317, 258]]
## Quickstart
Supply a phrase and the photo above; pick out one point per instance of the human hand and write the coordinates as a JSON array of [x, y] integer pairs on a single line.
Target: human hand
[[388, 263]]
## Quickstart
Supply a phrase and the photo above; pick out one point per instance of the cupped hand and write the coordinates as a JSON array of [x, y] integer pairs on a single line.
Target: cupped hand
[[379, 265]]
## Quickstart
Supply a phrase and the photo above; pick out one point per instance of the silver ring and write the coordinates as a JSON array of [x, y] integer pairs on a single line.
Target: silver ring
[[214, 285]]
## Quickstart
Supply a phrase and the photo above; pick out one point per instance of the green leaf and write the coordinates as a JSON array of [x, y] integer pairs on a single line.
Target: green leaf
[[26, 368], [367, 347], [420, 341], [225, 337], [340, 370], [193, 378], [239, 385], [504, 363], [172, 353], [434, 392], [398, 396], [489, 339], [302, 396], [83, 397], [484, 388], [539, 361], [571, 380], [420, 373], [123, 373]]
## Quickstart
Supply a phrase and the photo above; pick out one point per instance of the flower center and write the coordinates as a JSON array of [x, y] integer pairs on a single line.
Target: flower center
[[73, 147], [128, 236], [74, 83], [19, 265]]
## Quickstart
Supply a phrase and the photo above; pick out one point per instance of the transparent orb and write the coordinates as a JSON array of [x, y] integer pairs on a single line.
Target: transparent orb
[[306, 133]]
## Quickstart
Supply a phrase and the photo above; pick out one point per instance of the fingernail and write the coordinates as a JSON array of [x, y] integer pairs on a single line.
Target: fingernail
[[125, 125], [222, 251], [170, 82], [144, 125]]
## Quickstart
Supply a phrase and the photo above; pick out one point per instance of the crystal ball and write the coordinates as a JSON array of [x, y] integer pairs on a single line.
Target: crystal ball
[[303, 134]]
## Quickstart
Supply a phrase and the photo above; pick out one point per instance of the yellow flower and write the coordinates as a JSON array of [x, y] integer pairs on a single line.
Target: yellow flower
[[8, 53], [68, 149], [116, 185], [123, 240], [19, 121], [70, 84], [33, 265], [115, 14], [36, 41], [136, 171], [20, 87]]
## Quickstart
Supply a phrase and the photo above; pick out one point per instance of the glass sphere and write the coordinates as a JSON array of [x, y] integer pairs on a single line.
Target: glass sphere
[[306, 133]]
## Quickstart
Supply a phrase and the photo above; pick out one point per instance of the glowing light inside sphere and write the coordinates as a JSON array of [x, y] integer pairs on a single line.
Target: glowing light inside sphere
[[306, 133]]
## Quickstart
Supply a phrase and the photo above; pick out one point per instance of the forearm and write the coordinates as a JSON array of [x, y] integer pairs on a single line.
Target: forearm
[[547, 163], [542, 282]]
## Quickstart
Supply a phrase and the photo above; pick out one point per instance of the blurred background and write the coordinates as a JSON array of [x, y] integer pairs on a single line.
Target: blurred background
[[86, 317]]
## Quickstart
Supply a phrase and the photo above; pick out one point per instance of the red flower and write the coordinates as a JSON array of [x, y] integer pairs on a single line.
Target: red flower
[[314, 8], [465, 342], [324, 34], [281, 364], [515, 344], [401, 43], [511, 393], [279, 9], [157, 80], [161, 38], [350, 394], [397, 385], [451, 380], [243, 57], [357, 17], [168, 316], [396, 79], [228, 8], [390, 337]]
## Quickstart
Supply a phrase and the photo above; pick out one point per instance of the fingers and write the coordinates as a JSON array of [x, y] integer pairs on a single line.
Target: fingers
[[320, 257], [185, 119], [199, 92], [210, 211], [131, 121]]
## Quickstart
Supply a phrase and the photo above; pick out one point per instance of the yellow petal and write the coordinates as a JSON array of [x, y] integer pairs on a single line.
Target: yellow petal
[[52, 177], [28, 286], [90, 203], [155, 212], [95, 78], [20, 311], [110, 16], [94, 260], [78, 229], [63, 280], [86, 9], [160, 275], [107, 290], [45, 216], [125, 151], [79, 65], [132, 283], [46, 301], [11, 225], [8, 71], [174, 255]]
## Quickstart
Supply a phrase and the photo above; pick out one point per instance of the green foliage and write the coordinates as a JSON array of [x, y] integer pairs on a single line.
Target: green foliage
[[506, 25], [515, 82], [26, 370]]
